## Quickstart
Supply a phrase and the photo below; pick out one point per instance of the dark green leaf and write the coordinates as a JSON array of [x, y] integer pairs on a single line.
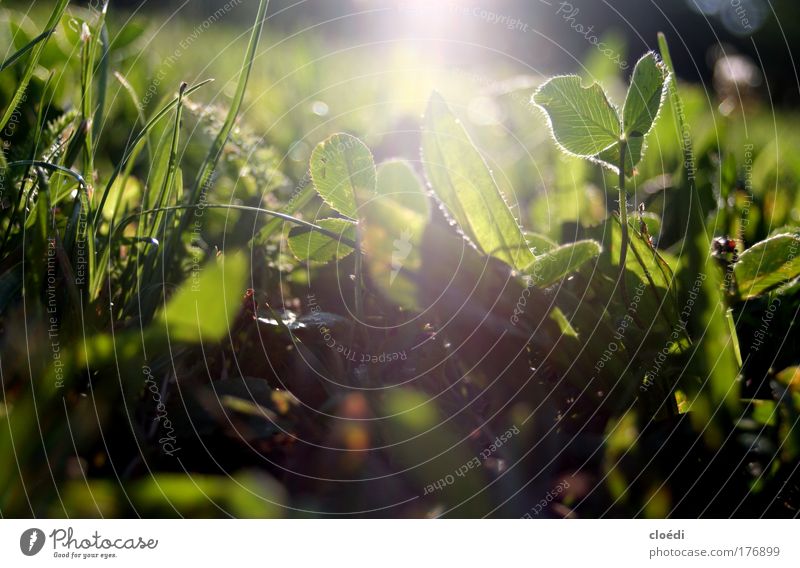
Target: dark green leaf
[[767, 264]]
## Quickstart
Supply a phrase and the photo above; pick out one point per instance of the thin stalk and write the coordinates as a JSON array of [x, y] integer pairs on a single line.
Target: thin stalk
[[102, 77], [623, 217], [358, 290], [206, 170], [87, 76], [131, 146], [358, 287], [287, 218], [359, 270], [167, 187]]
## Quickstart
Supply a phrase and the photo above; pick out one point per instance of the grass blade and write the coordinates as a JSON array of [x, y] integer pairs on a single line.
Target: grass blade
[[713, 361], [210, 162], [25, 49], [36, 53], [131, 146]]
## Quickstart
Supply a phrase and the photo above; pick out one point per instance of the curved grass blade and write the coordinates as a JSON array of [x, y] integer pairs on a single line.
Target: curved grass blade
[[53, 167], [25, 49]]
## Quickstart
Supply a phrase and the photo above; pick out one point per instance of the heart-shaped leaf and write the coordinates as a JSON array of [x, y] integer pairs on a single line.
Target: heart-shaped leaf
[[584, 123], [463, 183], [343, 171], [582, 120], [644, 100], [767, 264], [645, 97], [311, 245]]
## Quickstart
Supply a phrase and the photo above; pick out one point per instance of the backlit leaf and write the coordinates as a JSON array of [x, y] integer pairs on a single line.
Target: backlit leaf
[[308, 244], [557, 263], [462, 181], [343, 170], [645, 96], [582, 120]]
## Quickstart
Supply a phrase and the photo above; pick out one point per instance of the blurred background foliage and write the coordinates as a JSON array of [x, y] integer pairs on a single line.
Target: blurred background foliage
[[259, 433]]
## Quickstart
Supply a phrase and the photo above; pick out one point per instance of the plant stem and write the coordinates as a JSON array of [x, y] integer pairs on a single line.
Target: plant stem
[[623, 218], [359, 329], [359, 269], [287, 218]]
